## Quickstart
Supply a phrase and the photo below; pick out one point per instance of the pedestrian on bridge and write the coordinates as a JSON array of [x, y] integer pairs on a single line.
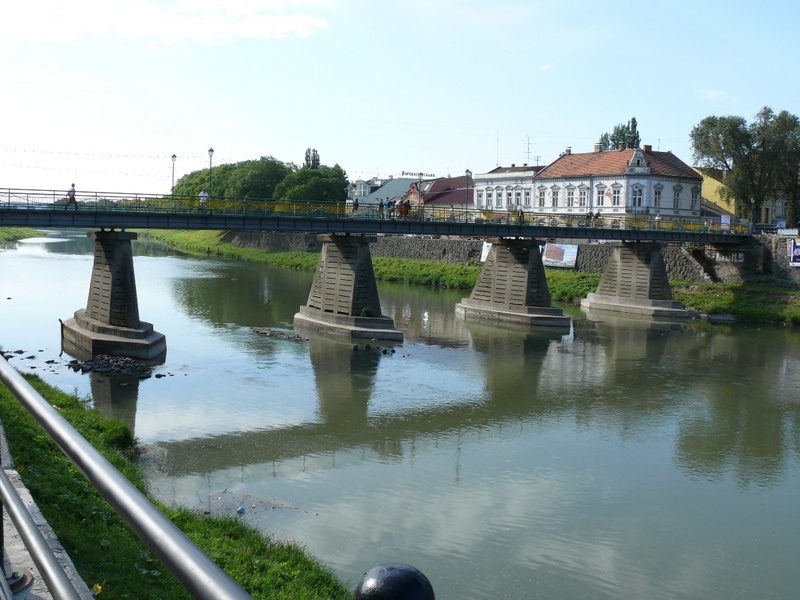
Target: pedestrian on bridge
[[71, 198], [203, 199]]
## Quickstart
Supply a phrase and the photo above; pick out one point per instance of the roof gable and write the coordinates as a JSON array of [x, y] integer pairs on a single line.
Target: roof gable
[[615, 162]]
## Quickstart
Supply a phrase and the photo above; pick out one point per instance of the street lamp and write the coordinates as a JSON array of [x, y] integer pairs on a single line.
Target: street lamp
[[174, 158], [210, 156], [467, 177]]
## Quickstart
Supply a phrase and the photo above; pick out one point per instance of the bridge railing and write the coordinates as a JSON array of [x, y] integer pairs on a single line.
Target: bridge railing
[[11, 199]]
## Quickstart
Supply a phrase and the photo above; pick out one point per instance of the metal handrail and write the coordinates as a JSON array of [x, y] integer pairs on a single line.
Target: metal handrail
[[198, 574], [58, 583], [32, 199]]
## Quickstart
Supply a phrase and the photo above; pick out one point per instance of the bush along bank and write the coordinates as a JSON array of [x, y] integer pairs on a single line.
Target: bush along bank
[[109, 557], [768, 301]]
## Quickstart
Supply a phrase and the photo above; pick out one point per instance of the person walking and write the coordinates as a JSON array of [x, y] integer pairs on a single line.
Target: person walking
[[203, 199], [71, 198]]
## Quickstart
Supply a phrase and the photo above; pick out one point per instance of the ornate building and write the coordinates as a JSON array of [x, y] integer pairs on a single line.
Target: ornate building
[[618, 184]]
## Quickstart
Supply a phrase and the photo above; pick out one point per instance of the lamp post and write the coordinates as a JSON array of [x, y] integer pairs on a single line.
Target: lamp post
[[174, 158], [210, 156], [467, 177]]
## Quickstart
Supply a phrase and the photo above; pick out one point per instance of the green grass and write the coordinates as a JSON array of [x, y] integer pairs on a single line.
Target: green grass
[[103, 548], [11, 234], [773, 302]]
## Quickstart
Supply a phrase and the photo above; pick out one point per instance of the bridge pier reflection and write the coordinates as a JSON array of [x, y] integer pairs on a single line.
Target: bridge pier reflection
[[110, 322], [512, 287], [344, 296], [635, 281]]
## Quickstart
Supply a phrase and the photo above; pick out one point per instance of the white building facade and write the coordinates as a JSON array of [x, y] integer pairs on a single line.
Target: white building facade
[[618, 184]]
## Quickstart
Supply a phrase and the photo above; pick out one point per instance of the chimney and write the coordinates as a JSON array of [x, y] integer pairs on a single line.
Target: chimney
[[648, 148], [513, 165], [598, 147], [568, 150]]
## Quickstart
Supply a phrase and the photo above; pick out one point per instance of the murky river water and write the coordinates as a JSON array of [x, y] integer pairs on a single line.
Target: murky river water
[[625, 459]]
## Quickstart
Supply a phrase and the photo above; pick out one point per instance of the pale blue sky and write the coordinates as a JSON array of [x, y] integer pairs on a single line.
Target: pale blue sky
[[103, 92]]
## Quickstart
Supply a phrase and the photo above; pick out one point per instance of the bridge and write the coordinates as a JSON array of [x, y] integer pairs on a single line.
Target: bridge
[[511, 287]]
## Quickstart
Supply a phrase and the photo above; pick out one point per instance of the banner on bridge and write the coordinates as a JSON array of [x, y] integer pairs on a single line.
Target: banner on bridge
[[560, 255]]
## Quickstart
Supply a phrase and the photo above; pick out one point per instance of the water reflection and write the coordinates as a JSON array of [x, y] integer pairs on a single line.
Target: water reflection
[[624, 459]]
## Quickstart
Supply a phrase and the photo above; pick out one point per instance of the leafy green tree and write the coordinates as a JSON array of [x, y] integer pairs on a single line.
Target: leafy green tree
[[323, 184], [758, 159], [253, 179], [256, 179], [622, 136], [312, 159]]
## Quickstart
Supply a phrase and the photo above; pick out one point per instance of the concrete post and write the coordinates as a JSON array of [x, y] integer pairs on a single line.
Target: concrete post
[[344, 295], [512, 287], [635, 281], [110, 322]]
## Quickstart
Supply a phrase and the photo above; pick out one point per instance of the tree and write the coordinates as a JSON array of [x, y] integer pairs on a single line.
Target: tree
[[322, 184], [258, 178], [254, 179], [758, 160], [312, 159], [622, 136]]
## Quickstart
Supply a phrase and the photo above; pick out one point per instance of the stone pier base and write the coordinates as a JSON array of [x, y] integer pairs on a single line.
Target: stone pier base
[[344, 299], [110, 322], [512, 287], [635, 281]]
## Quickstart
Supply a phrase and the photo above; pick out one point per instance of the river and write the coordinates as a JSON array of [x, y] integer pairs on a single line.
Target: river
[[624, 459]]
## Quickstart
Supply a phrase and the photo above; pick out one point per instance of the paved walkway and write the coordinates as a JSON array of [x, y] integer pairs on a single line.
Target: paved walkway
[[15, 554]]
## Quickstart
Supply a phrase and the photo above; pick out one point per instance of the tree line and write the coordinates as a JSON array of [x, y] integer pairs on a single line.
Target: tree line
[[268, 178]]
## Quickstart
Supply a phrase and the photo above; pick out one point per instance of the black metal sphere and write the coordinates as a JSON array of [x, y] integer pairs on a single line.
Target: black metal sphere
[[394, 581]]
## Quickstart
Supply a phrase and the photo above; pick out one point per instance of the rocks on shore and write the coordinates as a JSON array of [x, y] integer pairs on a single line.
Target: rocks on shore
[[280, 334], [103, 363]]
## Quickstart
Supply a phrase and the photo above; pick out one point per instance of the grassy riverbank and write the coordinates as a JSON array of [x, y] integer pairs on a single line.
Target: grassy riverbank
[[768, 302], [11, 234], [105, 551]]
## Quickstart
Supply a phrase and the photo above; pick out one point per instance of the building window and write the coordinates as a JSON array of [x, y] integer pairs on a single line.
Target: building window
[[555, 197], [601, 194], [527, 197], [508, 199], [517, 197], [615, 199], [695, 199], [637, 197], [480, 198], [489, 198], [570, 198], [582, 197], [676, 198], [542, 196], [657, 198], [498, 199]]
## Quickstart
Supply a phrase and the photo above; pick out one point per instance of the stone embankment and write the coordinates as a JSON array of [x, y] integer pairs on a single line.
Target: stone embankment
[[764, 256]]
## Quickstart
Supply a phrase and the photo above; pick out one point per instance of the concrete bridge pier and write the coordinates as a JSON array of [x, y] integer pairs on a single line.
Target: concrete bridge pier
[[512, 287], [343, 300], [110, 322], [635, 281]]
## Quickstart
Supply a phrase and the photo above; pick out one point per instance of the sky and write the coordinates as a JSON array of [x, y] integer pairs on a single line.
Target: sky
[[101, 93]]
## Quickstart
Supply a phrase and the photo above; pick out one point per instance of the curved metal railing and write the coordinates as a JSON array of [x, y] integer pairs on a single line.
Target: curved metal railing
[[199, 575]]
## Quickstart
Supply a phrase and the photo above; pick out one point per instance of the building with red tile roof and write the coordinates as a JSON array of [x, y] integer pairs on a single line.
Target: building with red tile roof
[[618, 184]]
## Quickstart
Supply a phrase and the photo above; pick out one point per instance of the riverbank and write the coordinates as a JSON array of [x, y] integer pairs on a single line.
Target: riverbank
[[11, 234], [767, 301], [106, 553]]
